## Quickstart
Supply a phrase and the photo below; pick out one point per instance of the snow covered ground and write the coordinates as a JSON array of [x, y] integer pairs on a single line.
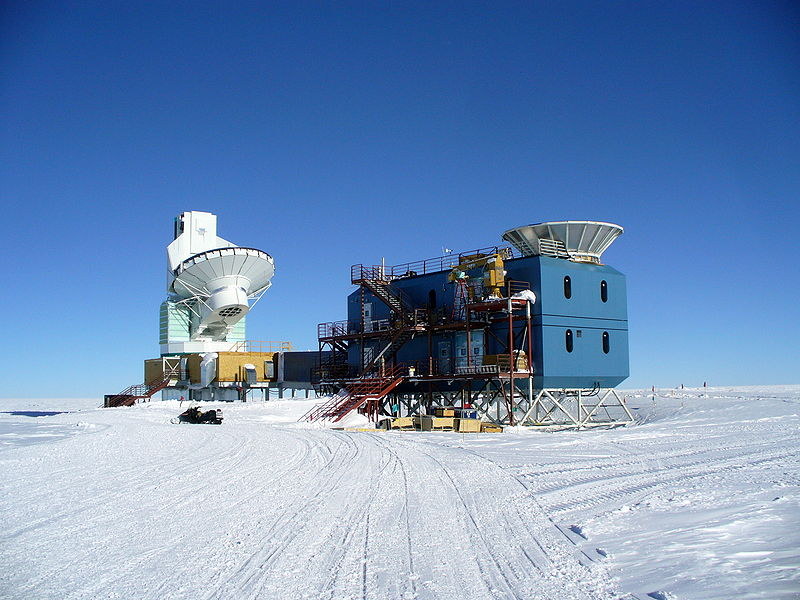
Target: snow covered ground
[[699, 500]]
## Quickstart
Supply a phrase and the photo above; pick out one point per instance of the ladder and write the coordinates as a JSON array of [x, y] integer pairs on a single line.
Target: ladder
[[460, 300]]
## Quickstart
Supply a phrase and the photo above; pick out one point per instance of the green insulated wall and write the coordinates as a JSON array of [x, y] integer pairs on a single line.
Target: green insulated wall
[[173, 322], [237, 332]]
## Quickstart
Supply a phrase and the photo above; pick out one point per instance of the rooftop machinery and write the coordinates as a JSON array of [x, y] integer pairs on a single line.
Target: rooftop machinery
[[535, 333]]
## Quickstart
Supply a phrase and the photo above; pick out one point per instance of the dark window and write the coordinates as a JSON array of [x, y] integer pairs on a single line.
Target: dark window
[[178, 226], [567, 287], [432, 299], [604, 291], [569, 340], [606, 346]]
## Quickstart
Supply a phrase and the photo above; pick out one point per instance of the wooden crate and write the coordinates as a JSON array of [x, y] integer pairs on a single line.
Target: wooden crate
[[402, 423], [444, 411], [491, 428], [468, 425], [428, 423]]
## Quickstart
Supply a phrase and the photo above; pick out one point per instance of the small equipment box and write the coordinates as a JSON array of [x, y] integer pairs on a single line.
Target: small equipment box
[[402, 423], [468, 425], [491, 428], [444, 411], [436, 423]]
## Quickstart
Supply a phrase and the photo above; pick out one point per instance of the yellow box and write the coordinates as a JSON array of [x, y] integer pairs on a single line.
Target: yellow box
[[502, 360], [428, 423], [444, 411], [491, 428], [468, 425], [402, 423]]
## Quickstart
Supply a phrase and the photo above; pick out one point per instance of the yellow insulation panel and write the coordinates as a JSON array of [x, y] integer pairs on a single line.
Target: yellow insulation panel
[[230, 366]]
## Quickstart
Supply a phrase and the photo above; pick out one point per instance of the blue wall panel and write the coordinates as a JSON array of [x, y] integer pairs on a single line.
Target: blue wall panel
[[584, 313]]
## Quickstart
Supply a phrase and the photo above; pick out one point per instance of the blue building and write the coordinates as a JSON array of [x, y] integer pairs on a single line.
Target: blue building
[[535, 332]]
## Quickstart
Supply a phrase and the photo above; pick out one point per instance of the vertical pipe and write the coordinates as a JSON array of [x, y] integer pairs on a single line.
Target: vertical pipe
[[512, 365], [430, 352], [530, 353], [469, 340], [361, 331]]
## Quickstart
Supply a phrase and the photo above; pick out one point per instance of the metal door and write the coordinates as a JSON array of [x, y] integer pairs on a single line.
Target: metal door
[[369, 353], [367, 317], [444, 357]]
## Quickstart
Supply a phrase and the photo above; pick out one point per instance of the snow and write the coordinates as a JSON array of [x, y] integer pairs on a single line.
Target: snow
[[528, 295], [699, 500]]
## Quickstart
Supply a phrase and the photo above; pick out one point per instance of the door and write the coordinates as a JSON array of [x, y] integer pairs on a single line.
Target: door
[[444, 358], [367, 317], [476, 353], [369, 354]]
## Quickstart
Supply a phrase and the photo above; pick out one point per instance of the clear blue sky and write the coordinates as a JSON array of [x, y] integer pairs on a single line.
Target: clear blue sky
[[329, 134]]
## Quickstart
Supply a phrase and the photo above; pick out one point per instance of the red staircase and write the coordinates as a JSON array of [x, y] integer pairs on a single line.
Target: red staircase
[[400, 337], [355, 393], [130, 395], [375, 280]]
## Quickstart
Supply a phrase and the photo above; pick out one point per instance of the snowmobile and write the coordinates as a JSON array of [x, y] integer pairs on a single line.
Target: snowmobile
[[196, 416]]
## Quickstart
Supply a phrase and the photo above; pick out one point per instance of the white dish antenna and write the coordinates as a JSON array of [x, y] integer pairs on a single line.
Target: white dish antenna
[[581, 241], [215, 278]]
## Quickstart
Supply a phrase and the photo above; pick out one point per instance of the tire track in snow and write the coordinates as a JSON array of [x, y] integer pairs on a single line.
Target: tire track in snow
[[109, 574], [632, 485], [560, 575], [249, 579]]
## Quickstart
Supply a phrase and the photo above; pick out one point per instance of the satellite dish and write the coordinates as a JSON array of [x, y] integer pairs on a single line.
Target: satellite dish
[[581, 241], [212, 283], [224, 279]]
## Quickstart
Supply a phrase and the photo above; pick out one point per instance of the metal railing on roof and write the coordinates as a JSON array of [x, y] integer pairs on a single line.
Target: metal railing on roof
[[362, 272], [261, 347]]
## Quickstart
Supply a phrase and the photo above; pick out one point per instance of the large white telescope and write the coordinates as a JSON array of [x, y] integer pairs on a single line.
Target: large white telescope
[[212, 281]]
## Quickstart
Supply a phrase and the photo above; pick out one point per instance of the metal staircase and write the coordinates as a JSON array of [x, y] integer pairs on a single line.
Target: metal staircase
[[130, 395], [387, 295], [355, 393], [375, 280], [400, 337]]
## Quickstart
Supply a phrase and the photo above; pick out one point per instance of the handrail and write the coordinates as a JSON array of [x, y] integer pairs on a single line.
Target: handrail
[[261, 347], [361, 272]]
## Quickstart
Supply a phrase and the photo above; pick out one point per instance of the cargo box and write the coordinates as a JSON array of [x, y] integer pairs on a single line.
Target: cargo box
[[491, 428], [468, 425], [402, 423], [502, 360], [444, 411], [436, 423], [466, 413]]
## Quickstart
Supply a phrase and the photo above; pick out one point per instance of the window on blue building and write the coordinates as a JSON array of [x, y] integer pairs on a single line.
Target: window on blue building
[[567, 287], [604, 291], [568, 340], [606, 343], [432, 299]]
